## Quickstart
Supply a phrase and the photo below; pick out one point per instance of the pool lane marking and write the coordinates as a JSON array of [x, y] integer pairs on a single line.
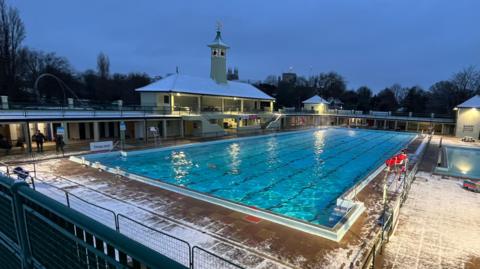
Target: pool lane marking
[[330, 171], [252, 157], [338, 141], [289, 162]]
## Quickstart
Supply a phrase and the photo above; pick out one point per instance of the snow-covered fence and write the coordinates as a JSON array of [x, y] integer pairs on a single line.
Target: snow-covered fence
[[203, 259], [98, 213], [170, 246]]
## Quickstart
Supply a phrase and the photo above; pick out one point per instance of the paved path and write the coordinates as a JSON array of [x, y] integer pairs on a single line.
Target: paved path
[[439, 227]]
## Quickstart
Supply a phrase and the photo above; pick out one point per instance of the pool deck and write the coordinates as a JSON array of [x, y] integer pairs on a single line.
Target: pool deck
[[439, 224], [222, 231]]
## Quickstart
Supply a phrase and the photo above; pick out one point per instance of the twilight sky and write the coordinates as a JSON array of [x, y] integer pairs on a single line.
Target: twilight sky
[[369, 42]]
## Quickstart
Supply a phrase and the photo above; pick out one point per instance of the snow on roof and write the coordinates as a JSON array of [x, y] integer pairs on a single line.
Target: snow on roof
[[204, 86], [315, 100], [218, 42], [473, 102]]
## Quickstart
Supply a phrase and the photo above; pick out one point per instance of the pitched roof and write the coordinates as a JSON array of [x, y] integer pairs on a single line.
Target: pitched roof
[[218, 42], [473, 102], [315, 100], [204, 86]]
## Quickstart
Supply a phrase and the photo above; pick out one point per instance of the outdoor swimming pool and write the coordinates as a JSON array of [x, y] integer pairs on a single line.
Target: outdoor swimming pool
[[298, 174], [461, 162]]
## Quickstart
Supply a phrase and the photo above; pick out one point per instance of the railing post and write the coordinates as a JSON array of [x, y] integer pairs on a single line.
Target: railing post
[[67, 197], [117, 223], [21, 225]]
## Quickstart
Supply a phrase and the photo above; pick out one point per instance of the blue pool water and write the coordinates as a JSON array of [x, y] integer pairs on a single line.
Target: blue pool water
[[462, 162], [299, 174]]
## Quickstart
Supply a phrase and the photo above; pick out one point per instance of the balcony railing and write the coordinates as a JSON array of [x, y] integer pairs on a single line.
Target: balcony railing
[[369, 113]]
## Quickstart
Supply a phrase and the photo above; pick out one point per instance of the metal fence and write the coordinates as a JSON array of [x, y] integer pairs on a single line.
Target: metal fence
[[39, 232], [170, 246], [388, 226]]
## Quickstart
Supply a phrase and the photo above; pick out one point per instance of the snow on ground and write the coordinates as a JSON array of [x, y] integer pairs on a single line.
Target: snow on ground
[[142, 211], [439, 226]]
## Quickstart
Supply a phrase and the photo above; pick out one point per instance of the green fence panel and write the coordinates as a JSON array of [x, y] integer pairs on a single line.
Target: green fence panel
[[8, 257], [7, 222], [48, 234]]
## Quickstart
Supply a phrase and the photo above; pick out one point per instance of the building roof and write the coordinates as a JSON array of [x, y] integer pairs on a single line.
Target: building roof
[[204, 86], [315, 100], [218, 42], [473, 102]]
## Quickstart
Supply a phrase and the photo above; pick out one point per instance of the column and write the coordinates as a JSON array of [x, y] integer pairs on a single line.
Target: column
[[13, 131], [406, 126], [337, 121], [106, 127], [385, 124], [87, 130], [172, 103], [164, 128], [199, 104], [65, 127], [182, 132], [374, 123], [418, 126], [27, 136], [96, 131], [271, 106], [241, 105], [145, 131], [223, 105], [51, 131], [443, 128]]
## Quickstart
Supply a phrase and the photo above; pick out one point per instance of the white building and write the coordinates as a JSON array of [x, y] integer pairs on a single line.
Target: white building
[[316, 104], [210, 105], [468, 118]]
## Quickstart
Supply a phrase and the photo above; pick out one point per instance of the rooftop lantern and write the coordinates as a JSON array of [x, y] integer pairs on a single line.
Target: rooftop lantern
[[218, 68]]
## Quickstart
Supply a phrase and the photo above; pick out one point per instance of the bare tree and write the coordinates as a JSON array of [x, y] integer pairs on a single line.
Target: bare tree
[[271, 80], [12, 34], [103, 66], [399, 92], [467, 80]]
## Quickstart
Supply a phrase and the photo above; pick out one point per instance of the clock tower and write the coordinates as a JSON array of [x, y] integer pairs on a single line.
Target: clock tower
[[218, 54]]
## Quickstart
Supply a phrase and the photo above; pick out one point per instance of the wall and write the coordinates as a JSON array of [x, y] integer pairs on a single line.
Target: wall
[[468, 116], [148, 98]]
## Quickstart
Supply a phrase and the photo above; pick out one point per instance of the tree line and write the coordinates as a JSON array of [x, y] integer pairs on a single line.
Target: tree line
[[440, 98], [20, 67]]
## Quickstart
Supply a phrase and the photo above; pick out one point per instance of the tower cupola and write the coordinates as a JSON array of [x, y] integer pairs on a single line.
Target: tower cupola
[[218, 54]]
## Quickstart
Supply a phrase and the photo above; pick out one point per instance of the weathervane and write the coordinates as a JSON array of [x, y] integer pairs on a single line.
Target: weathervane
[[219, 26]]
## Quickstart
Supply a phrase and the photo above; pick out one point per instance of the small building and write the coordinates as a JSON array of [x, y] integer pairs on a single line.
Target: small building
[[468, 118], [316, 104]]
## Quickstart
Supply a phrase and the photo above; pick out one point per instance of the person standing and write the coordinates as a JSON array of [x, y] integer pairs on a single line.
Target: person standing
[[39, 138], [59, 143]]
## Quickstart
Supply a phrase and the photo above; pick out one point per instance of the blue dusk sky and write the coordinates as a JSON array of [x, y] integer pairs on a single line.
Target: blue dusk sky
[[370, 42]]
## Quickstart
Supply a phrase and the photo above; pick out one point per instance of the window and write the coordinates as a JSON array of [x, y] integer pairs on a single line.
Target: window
[[166, 99], [214, 52], [468, 128], [222, 53]]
